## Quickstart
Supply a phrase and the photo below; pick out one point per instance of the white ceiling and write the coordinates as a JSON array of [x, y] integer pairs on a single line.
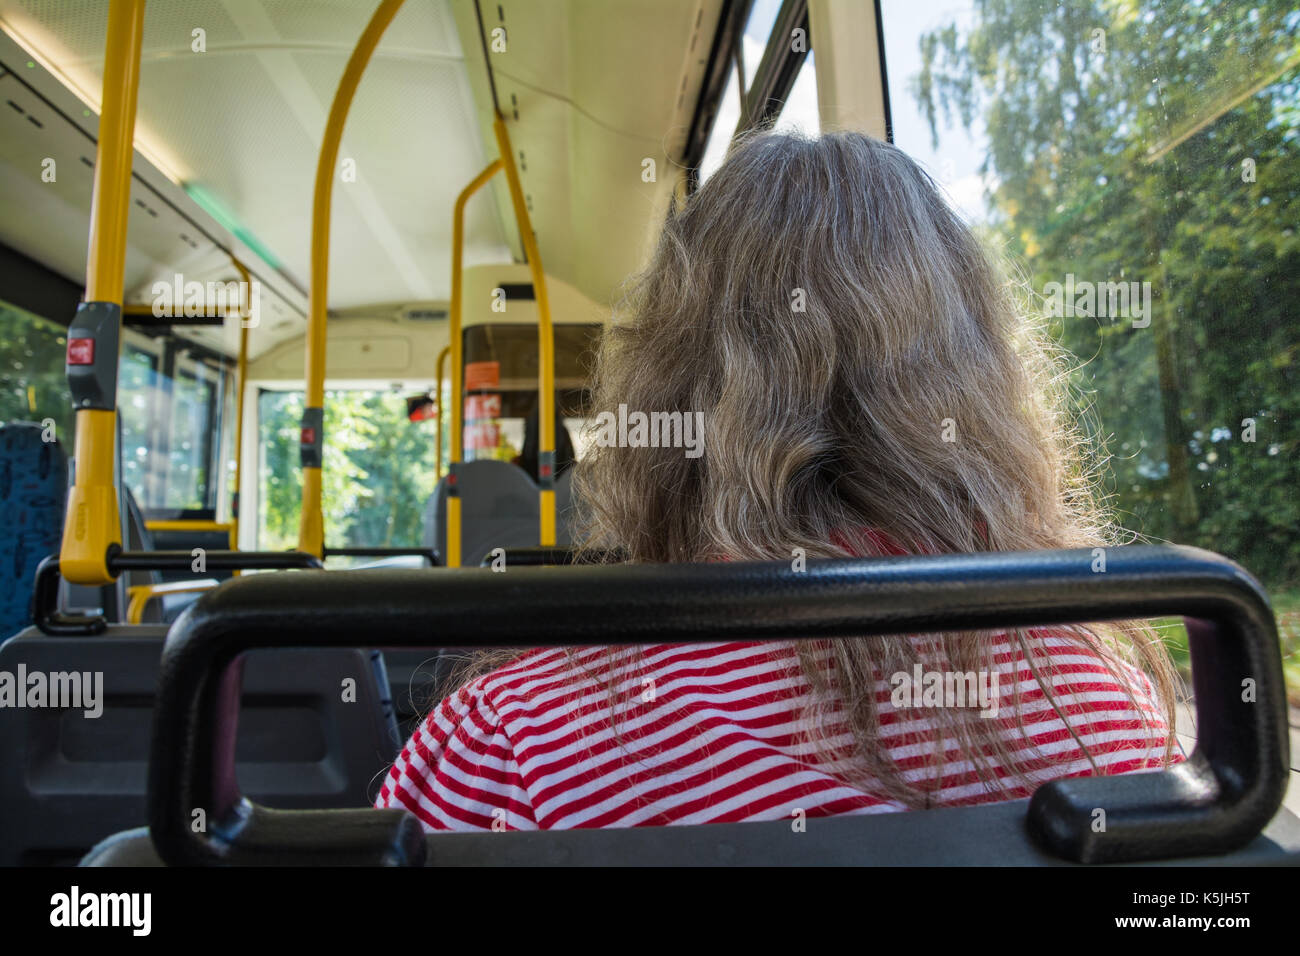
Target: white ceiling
[[243, 120], [600, 86], [590, 89]]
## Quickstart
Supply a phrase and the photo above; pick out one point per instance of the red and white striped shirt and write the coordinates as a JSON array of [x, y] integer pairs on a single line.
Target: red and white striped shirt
[[709, 733]]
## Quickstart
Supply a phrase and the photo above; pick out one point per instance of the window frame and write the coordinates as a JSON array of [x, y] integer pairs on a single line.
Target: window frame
[[171, 357], [774, 77]]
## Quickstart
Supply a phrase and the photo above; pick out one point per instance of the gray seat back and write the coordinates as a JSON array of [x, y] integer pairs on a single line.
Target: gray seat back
[[566, 515], [316, 731], [139, 538], [498, 509]]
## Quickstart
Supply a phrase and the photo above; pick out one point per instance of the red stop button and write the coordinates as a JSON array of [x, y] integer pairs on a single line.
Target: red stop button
[[81, 351]]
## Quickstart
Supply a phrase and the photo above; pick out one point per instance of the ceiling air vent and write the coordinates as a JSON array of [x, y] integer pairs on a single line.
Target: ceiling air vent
[[424, 315], [518, 290]]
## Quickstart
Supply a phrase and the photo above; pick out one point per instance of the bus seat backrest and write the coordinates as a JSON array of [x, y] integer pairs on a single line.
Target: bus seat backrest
[[316, 731], [139, 538], [419, 678], [498, 510], [84, 598], [565, 513], [33, 474], [78, 598]]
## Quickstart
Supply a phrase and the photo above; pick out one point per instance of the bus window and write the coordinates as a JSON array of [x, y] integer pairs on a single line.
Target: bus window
[[1145, 184], [137, 397], [170, 401], [762, 18], [513, 350], [190, 452], [715, 150], [774, 46], [378, 470], [170, 426], [800, 110], [33, 383]]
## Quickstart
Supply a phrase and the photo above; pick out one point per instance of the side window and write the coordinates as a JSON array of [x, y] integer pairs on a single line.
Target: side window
[[168, 424], [774, 46], [715, 150], [378, 470], [33, 384], [799, 114], [170, 397], [137, 396], [1137, 162], [758, 28], [189, 447]]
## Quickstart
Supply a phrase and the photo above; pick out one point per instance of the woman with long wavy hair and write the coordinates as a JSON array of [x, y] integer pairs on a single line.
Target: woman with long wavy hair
[[868, 385]]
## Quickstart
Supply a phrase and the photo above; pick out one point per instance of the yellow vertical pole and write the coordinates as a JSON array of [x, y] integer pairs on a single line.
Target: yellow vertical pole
[[545, 340], [241, 373], [442, 372], [452, 558], [93, 523], [311, 530]]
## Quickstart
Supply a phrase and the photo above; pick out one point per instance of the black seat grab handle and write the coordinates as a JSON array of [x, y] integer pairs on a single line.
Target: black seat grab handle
[[45, 592], [1216, 801]]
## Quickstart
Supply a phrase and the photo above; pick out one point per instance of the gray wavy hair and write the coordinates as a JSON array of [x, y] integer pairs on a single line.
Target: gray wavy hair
[[866, 375]]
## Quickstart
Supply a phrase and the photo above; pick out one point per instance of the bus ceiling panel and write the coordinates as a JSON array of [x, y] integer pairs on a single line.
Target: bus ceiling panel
[[47, 152], [410, 144], [368, 348], [68, 86], [47, 172], [44, 184], [235, 114], [382, 345], [619, 63], [233, 129], [598, 99], [484, 305], [38, 220]]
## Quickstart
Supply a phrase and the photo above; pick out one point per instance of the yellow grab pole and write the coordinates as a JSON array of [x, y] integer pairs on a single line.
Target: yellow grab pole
[[111, 199], [93, 523], [311, 530], [140, 596], [241, 372], [437, 450], [186, 524], [148, 310], [545, 341], [452, 558]]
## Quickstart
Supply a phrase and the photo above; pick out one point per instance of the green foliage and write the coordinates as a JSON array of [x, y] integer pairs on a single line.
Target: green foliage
[[1118, 156], [377, 472], [33, 384]]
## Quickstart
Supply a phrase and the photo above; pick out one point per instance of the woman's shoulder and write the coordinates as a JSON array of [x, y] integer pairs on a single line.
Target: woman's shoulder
[[540, 674]]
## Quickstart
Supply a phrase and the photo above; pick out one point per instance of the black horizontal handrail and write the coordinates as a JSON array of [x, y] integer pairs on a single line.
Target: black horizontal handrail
[[427, 553], [552, 555], [123, 561], [45, 590], [1216, 801]]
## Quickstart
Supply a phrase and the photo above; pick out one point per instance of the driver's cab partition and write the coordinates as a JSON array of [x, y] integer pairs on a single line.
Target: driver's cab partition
[[1218, 801]]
